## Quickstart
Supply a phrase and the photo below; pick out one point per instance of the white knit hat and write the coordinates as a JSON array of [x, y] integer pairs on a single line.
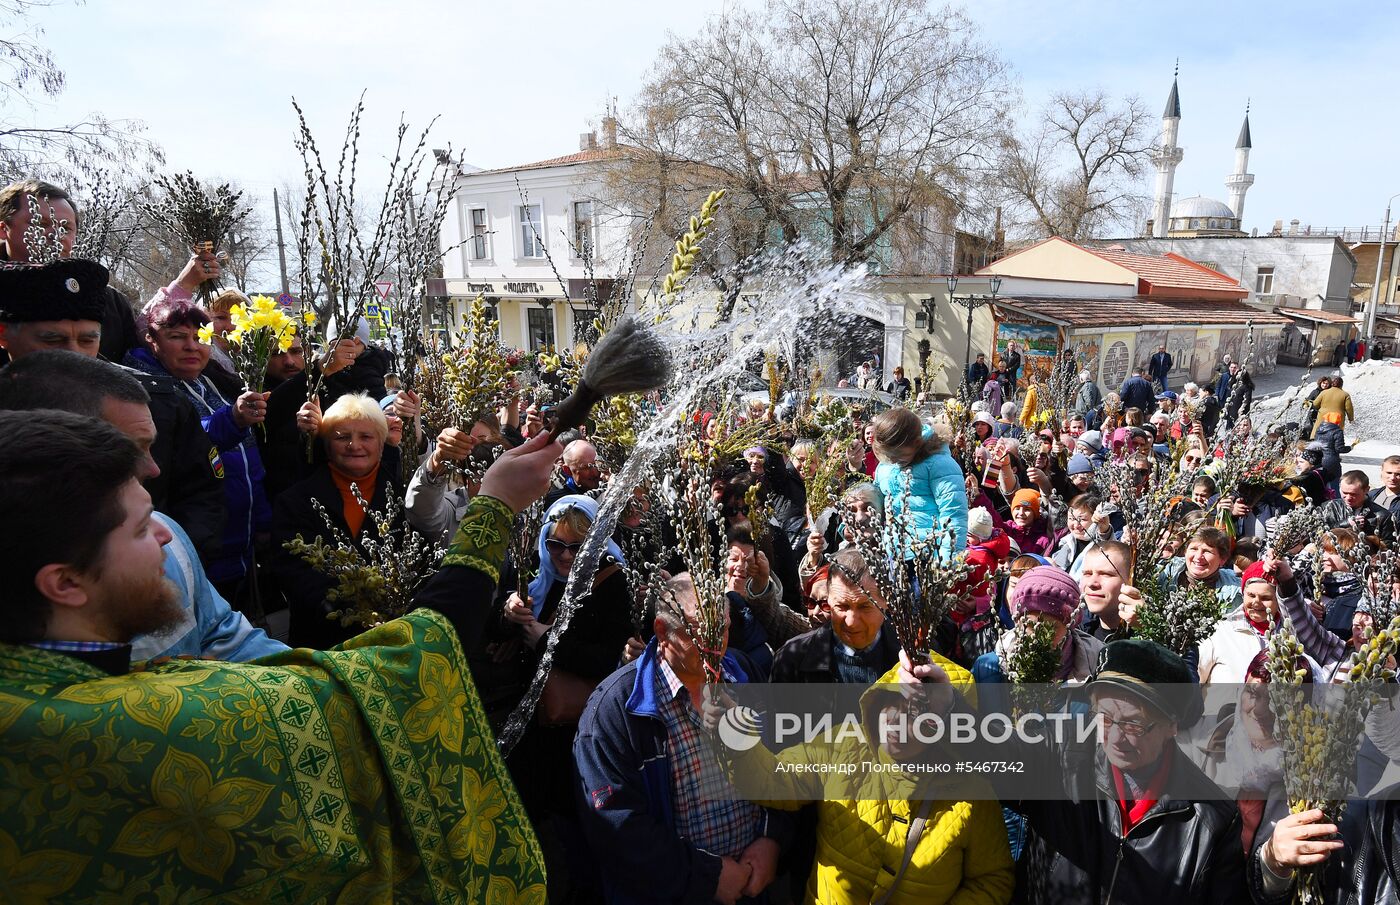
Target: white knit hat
[[979, 523]]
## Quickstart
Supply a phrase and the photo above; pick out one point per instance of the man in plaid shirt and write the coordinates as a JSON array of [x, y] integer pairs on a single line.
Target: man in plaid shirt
[[657, 810]]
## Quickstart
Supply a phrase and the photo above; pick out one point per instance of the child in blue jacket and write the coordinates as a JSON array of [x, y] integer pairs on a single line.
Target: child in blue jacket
[[920, 478]]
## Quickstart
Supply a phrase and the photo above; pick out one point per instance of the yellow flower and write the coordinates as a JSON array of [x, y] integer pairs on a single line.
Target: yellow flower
[[309, 317], [206, 334], [264, 303], [235, 336]]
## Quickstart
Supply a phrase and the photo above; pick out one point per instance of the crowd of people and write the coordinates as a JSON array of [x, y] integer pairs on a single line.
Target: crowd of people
[[157, 742]]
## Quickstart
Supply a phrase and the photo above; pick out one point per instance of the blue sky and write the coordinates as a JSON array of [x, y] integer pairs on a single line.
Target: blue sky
[[518, 82]]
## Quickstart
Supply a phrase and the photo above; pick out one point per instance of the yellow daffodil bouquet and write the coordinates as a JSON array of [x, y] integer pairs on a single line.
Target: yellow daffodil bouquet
[[259, 328]]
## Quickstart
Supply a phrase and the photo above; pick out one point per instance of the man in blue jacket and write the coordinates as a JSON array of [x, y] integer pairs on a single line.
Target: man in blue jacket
[[67, 381], [1136, 392], [657, 810]]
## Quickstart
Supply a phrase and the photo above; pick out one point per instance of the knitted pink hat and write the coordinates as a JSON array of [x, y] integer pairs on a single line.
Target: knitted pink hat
[[1046, 589]]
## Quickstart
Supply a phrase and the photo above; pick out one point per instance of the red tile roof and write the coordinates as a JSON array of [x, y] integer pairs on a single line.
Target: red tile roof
[[1170, 271], [1310, 314], [1140, 310], [594, 155]]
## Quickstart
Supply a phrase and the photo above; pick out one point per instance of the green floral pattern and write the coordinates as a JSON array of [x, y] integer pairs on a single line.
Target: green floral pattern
[[363, 774]]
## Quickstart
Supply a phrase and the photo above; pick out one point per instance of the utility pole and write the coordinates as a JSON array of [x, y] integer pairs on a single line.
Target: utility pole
[[281, 246], [1376, 286]]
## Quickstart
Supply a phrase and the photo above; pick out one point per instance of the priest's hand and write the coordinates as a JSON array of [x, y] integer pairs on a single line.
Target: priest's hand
[[521, 475]]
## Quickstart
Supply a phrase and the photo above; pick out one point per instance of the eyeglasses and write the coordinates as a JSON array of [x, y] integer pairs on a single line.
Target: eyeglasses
[[554, 545], [1129, 728]]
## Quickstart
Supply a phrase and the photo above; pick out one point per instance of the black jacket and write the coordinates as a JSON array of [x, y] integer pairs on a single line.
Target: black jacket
[[1337, 514], [282, 446], [1363, 871], [119, 334], [1137, 393], [1159, 367], [190, 487], [806, 659], [1185, 849], [293, 514]]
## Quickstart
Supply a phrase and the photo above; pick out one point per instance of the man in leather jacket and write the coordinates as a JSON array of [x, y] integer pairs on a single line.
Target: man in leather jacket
[[1136, 820]]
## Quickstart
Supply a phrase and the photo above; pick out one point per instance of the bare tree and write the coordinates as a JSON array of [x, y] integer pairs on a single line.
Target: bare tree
[[56, 151], [1078, 170], [839, 122]]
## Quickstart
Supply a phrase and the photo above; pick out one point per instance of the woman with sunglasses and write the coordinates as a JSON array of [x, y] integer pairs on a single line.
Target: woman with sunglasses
[[586, 654]]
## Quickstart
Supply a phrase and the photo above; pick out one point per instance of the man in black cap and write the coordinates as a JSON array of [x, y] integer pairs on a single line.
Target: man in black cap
[[1136, 820], [59, 306]]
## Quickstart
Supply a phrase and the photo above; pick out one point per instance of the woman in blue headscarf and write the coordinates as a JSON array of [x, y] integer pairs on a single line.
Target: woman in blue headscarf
[[586, 654]]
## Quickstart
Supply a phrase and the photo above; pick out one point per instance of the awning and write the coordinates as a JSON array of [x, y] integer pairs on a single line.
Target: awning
[[1317, 317]]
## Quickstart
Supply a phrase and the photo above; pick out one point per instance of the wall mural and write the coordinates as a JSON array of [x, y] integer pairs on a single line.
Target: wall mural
[[1266, 357], [1115, 366], [1038, 344], [1181, 345], [1232, 343], [1205, 357], [1147, 343], [1086, 353]]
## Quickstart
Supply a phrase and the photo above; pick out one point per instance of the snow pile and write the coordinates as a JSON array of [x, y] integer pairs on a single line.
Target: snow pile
[[1375, 394]]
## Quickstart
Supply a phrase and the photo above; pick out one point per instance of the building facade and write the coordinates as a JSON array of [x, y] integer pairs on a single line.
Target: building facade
[[530, 240], [1115, 309], [1306, 278]]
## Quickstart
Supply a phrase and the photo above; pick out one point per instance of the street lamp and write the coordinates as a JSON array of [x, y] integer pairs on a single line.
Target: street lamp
[[972, 303], [1376, 286]]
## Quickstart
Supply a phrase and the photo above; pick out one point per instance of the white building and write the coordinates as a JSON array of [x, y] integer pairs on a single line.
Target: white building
[[529, 239]]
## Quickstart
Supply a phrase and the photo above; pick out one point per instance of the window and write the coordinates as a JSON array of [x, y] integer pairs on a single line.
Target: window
[[476, 233], [1214, 224], [1195, 223], [1264, 281], [583, 229], [540, 327], [583, 322], [531, 231]]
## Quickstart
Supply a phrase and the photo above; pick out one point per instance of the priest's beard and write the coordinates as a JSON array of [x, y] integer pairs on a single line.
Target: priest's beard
[[141, 606]]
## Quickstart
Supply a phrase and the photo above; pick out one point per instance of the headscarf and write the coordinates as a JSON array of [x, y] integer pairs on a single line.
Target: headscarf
[[539, 588]]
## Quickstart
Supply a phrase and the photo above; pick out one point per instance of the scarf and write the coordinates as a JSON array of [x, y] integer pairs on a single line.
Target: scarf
[[539, 588], [1133, 811], [350, 507]]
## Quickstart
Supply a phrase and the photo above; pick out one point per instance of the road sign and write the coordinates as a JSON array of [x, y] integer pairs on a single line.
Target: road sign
[[286, 300], [372, 312], [383, 287]]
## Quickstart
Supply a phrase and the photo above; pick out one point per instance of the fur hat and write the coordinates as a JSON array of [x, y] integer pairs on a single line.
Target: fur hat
[[69, 289]]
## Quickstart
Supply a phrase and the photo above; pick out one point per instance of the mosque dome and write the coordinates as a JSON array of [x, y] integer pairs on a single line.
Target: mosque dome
[[1199, 206], [1199, 216]]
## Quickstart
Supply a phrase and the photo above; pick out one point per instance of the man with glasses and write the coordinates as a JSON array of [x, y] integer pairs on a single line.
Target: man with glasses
[[582, 475], [1135, 820], [658, 812]]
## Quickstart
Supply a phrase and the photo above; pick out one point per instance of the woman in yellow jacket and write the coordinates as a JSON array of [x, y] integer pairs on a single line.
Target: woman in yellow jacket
[[864, 819]]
